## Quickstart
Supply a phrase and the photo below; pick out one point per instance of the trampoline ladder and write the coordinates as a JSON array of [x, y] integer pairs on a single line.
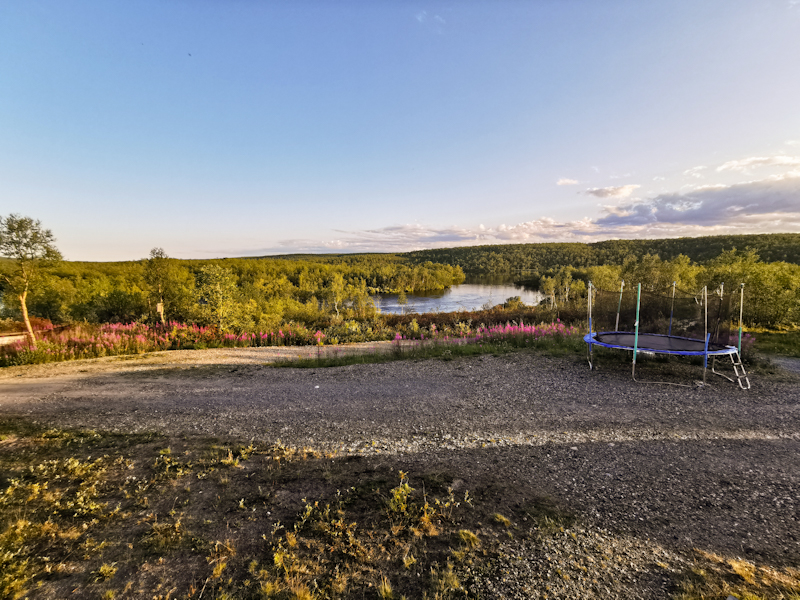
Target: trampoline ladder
[[738, 369]]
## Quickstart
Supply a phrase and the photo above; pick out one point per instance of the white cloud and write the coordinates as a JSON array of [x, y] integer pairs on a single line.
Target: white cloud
[[760, 161], [711, 186], [793, 142], [695, 171], [565, 181], [619, 191]]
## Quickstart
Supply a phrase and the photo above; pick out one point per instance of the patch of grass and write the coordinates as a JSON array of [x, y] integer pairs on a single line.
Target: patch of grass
[[152, 514], [712, 576], [104, 572], [547, 515], [334, 547], [782, 343], [504, 521]]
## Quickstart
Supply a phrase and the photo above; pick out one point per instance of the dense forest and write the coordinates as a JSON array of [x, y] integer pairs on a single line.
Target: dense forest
[[334, 291], [772, 290], [775, 247], [234, 294]]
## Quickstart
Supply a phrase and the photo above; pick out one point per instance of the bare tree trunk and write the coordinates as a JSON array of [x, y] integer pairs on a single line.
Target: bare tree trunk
[[23, 303]]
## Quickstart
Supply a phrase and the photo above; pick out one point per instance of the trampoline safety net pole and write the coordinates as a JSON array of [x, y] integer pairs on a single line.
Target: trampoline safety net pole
[[672, 308], [619, 306], [636, 329], [591, 366], [707, 335], [741, 310]]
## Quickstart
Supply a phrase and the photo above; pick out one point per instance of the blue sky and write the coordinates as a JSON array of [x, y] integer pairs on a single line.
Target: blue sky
[[235, 128]]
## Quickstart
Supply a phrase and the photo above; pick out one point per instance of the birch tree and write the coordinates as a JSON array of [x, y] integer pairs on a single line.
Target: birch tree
[[31, 248]]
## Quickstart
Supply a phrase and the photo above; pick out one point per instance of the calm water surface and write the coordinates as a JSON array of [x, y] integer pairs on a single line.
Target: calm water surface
[[473, 294]]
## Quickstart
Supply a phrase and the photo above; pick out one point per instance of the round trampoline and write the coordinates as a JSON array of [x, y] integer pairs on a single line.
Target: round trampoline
[[671, 322], [657, 343]]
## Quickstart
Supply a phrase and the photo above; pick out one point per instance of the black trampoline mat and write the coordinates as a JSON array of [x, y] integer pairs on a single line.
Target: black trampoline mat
[[650, 341]]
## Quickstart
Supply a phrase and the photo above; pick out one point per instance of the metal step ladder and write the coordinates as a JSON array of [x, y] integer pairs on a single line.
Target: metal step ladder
[[738, 369]]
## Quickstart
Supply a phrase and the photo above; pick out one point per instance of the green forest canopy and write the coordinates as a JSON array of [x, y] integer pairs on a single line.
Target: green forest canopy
[[317, 290], [251, 293], [772, 247]]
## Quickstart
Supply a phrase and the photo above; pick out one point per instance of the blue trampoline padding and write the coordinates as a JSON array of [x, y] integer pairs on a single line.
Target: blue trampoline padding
[[657, 343]]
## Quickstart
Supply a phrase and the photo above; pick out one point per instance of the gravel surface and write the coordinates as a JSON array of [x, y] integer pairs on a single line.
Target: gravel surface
[[659, 469]]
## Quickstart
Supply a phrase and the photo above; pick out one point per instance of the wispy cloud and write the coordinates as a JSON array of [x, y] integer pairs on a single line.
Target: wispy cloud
[[618, 191], [565, 181], [695, 171], [746, 164], [434, 22]]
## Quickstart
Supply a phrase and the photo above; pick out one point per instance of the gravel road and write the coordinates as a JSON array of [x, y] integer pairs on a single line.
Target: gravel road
[[710, 467]]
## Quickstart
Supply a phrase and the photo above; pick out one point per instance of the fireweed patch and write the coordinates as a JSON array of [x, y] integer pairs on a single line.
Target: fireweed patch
[[96, 341]]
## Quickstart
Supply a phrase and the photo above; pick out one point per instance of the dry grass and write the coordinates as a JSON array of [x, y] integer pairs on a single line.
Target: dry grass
[[717, 577], [130, 516], [125, 516]]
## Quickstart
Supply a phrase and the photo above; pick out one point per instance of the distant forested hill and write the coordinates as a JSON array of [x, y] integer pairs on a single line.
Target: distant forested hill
[[774, 247]]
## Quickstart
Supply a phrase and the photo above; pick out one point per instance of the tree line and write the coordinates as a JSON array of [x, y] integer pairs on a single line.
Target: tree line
[[773, 247], [317, 291], [232, 294]]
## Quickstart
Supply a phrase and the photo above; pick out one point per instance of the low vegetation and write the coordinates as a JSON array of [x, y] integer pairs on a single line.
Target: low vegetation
[[783, 343], [95, 341], [105, 515], [124, 515], [554, 339], [90, 310]]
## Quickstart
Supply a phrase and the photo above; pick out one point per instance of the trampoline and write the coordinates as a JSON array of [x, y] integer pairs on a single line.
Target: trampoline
[[657, 343], [686, 314]]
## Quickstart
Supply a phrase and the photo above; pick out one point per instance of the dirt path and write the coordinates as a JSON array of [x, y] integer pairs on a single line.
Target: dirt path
[[712, 467], [788, 363]]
